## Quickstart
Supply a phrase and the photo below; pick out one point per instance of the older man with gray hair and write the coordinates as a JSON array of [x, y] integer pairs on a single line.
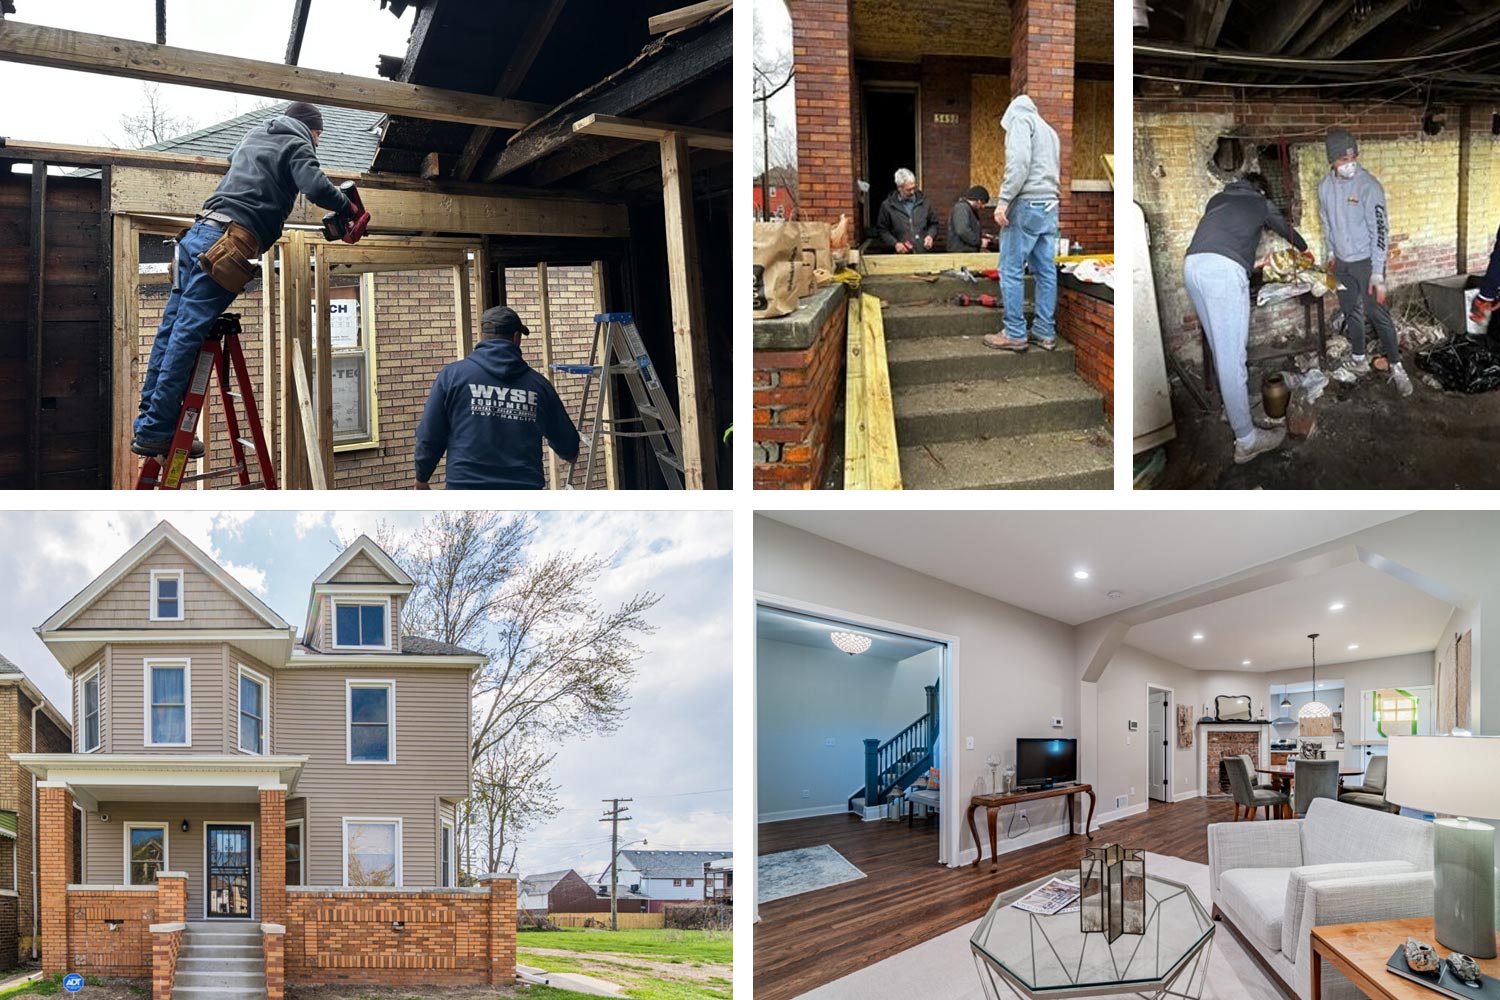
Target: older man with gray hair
[[906, 222]]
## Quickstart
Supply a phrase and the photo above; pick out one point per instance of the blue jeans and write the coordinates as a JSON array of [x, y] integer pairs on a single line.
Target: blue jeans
[[1029, 238], [196, 301], [1219, 289]]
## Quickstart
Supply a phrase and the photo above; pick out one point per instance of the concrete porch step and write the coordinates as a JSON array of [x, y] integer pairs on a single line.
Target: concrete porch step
[[247, 964], [918, 360], [194, 949], [1062, 460], [218, 993], [938, 319], [899, 289], [970, 409], [221, 979]]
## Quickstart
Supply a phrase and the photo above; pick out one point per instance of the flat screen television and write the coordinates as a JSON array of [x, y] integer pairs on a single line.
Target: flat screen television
[[1046, 762]]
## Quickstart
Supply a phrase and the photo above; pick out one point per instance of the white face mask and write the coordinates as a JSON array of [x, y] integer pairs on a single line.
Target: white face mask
[[1346, 170]]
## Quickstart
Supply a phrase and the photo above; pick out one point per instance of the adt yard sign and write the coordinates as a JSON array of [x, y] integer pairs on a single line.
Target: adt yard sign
[[72, 982]]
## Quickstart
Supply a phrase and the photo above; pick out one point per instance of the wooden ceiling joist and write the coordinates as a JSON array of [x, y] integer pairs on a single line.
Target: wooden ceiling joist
[[685, 17], [299, 28], [1279, 28], [1345, 35], [59, 48], [632, 128]]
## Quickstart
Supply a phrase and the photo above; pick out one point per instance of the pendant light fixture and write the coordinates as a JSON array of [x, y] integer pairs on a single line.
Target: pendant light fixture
[[851, 642], [1286, 701], [1315, 718]]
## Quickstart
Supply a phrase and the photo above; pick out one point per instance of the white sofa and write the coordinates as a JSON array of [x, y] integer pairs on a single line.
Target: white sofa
[[1273, 882]]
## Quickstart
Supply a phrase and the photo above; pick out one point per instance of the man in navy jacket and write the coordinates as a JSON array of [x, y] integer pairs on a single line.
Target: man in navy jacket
[[489, 412]]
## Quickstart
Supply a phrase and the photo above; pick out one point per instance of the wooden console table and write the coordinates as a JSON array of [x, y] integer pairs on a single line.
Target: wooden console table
[[992, 804]]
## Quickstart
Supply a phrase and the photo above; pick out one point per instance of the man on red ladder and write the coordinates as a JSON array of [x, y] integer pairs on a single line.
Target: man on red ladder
[[243, 217]]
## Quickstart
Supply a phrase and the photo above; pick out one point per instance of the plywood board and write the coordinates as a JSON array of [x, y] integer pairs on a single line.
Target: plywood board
[[988, 97], [1093, 128]]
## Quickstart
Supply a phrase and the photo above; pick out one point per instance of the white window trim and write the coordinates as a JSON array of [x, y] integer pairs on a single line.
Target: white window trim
[[350, 684], [96, 672], [254, 854], [300, 824], [372, 819], [448, 837], [333, 614], [166, 844], [265, 702], [186, 663], [181, 597]]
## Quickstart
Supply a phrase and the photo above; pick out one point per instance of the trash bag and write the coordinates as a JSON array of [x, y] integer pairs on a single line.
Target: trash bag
[[1463, 365]]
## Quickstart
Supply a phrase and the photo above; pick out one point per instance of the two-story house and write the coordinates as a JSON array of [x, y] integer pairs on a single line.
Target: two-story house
[[663, 876], [281, 779]]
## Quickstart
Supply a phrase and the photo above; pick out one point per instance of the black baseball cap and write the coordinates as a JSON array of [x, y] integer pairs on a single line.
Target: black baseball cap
[[501, 321]]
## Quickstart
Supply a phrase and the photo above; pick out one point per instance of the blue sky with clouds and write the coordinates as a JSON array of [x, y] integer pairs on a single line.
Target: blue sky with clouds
[[673, 752]]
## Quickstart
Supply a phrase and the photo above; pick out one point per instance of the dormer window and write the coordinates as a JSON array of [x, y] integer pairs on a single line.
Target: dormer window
[[166, 595], [361, 623]]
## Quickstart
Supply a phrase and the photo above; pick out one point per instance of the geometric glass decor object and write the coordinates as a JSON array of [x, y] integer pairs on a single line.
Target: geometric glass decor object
[[1112, 891], [1093, 905]]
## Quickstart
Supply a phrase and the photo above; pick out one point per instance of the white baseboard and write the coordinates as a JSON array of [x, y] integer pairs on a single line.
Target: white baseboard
[[1037, 835], [1191, 793], [828, 810], [1118, 814]]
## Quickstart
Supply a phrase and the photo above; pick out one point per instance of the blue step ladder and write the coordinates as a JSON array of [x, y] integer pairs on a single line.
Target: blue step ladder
[[625, 355]]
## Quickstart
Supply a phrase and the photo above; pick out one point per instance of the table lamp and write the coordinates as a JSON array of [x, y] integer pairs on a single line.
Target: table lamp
[[1454, 775]]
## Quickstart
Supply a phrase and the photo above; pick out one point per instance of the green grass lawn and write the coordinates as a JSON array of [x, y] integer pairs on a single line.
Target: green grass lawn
[[649, 965]]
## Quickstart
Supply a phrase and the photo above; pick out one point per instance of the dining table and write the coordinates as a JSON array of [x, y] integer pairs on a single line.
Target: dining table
[[1282, 778]]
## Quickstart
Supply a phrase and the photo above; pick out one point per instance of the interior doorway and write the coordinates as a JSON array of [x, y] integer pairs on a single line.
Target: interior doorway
[[1159, 743], [890, 131]]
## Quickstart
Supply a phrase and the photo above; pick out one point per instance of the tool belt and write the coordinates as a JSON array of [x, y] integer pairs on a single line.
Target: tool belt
[[229, 260]]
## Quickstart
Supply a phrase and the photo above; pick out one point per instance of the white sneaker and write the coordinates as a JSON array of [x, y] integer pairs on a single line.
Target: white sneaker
[[1400, 380], [1356, 366], [1265, 440]]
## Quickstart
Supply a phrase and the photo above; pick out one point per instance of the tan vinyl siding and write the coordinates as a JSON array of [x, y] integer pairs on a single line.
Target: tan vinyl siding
[[206, 603], [362, 569], [432, 761], [127, 692], [104, 843]]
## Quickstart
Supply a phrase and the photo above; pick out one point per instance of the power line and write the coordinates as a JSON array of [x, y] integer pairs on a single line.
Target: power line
[[674, 795], [614, 817]]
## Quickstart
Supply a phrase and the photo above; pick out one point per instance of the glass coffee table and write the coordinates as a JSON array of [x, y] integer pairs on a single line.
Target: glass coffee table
[[1050, 956]]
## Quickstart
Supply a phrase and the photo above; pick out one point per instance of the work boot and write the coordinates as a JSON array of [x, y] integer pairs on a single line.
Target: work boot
[[1479, 311], [1356, 366], [1265, 440], [1001, 342], [1400, 380], [159, 449], [1044, 344]]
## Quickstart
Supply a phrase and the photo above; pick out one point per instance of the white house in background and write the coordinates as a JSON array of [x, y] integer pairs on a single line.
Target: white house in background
[[663, 876]]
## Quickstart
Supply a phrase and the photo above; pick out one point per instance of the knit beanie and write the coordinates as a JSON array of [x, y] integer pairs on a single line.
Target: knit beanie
[[1340, 143], [305, 113], [978, 193]]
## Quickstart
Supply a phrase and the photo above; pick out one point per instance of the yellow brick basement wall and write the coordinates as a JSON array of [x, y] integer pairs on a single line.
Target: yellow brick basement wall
[[1174, 144]]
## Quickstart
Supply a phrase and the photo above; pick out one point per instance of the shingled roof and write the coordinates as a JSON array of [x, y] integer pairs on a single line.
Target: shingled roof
[[348, 141], [671, 864]]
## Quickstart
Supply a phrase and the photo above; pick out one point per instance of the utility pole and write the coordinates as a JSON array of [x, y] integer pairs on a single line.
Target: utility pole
[[614, 818]]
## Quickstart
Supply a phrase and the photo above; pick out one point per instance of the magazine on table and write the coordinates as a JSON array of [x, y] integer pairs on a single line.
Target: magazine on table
[[1052, 897]]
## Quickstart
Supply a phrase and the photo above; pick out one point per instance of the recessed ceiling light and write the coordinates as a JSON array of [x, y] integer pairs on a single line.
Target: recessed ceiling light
[[1197, 636], [1353, 645], [1115, 595], [1336, 606], [1080, 574], [1244, 663]]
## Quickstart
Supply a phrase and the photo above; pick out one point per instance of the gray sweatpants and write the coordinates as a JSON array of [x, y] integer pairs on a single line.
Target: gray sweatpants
[[1220, 292], [1358, 305]]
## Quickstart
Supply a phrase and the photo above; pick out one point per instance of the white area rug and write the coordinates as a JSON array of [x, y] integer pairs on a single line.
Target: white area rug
[[791, 873], [947, 960]]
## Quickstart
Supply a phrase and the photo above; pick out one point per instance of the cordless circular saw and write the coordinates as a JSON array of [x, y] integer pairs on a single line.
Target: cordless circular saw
[[348, 226]]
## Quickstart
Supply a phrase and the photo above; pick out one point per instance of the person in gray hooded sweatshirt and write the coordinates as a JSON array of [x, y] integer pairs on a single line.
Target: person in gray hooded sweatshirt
[[1027, 214], [1356, 232], [273, 163]]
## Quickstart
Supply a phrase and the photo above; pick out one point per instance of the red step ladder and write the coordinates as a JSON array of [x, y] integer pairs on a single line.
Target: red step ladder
[[220, 351]]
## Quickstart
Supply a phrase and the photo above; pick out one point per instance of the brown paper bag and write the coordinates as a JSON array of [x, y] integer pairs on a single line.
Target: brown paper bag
[[774, 248]]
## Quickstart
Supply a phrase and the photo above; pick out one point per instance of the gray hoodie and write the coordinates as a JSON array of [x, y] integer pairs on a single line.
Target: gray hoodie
[[266, 171], [1355, 226], [1033, 163]]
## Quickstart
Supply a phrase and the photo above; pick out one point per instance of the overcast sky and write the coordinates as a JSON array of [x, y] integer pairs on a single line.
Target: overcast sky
[[773, 28], [63, 106], [673, 752]]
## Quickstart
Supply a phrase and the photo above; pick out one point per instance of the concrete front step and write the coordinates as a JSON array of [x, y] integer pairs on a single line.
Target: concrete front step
[[217, 952], [218, 993], [246, 964], [1062, 460], [224, 979], [902, 289], [917, 360], [972, 409], [941, 319]]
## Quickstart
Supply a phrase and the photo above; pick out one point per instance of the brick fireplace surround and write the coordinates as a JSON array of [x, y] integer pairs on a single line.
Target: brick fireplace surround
[[1219, 743]]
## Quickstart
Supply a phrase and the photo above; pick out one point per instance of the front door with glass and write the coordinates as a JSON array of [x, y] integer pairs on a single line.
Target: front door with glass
[[228, 869]]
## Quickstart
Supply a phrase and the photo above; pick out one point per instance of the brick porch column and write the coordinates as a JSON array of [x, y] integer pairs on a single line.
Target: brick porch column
[[171, 897], [55, 814], [827, 126], [502, 887], [1041, 67], [273, 855]]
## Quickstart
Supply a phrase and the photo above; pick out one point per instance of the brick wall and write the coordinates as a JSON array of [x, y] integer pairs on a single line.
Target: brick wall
[[1088, 217], [1217, 746], [273, 944], [165, 946], [945, 146], [55, 806], [795, 394], [453, 936], [272, 833], [1041, 56], [1174, 178], [828, 140], [107, 932], [1088, 324], [10, 931]]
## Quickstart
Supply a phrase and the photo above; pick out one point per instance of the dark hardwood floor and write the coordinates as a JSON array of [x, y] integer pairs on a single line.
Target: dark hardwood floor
[[907, 898]]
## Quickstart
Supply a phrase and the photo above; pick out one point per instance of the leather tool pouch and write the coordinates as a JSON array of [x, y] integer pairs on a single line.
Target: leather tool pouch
[[228, 261]]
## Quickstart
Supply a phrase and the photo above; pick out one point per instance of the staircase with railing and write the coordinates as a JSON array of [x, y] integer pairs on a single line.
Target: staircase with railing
[[898, 761]]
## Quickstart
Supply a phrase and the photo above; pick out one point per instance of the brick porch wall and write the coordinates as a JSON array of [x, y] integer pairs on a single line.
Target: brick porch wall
[[1088, 217], [166, 944], [1041, 57], [55, 814], [795, 395], [402, 937], [273, 943], [272, 832], [828, 140], [1089, 325], [92, 947]]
